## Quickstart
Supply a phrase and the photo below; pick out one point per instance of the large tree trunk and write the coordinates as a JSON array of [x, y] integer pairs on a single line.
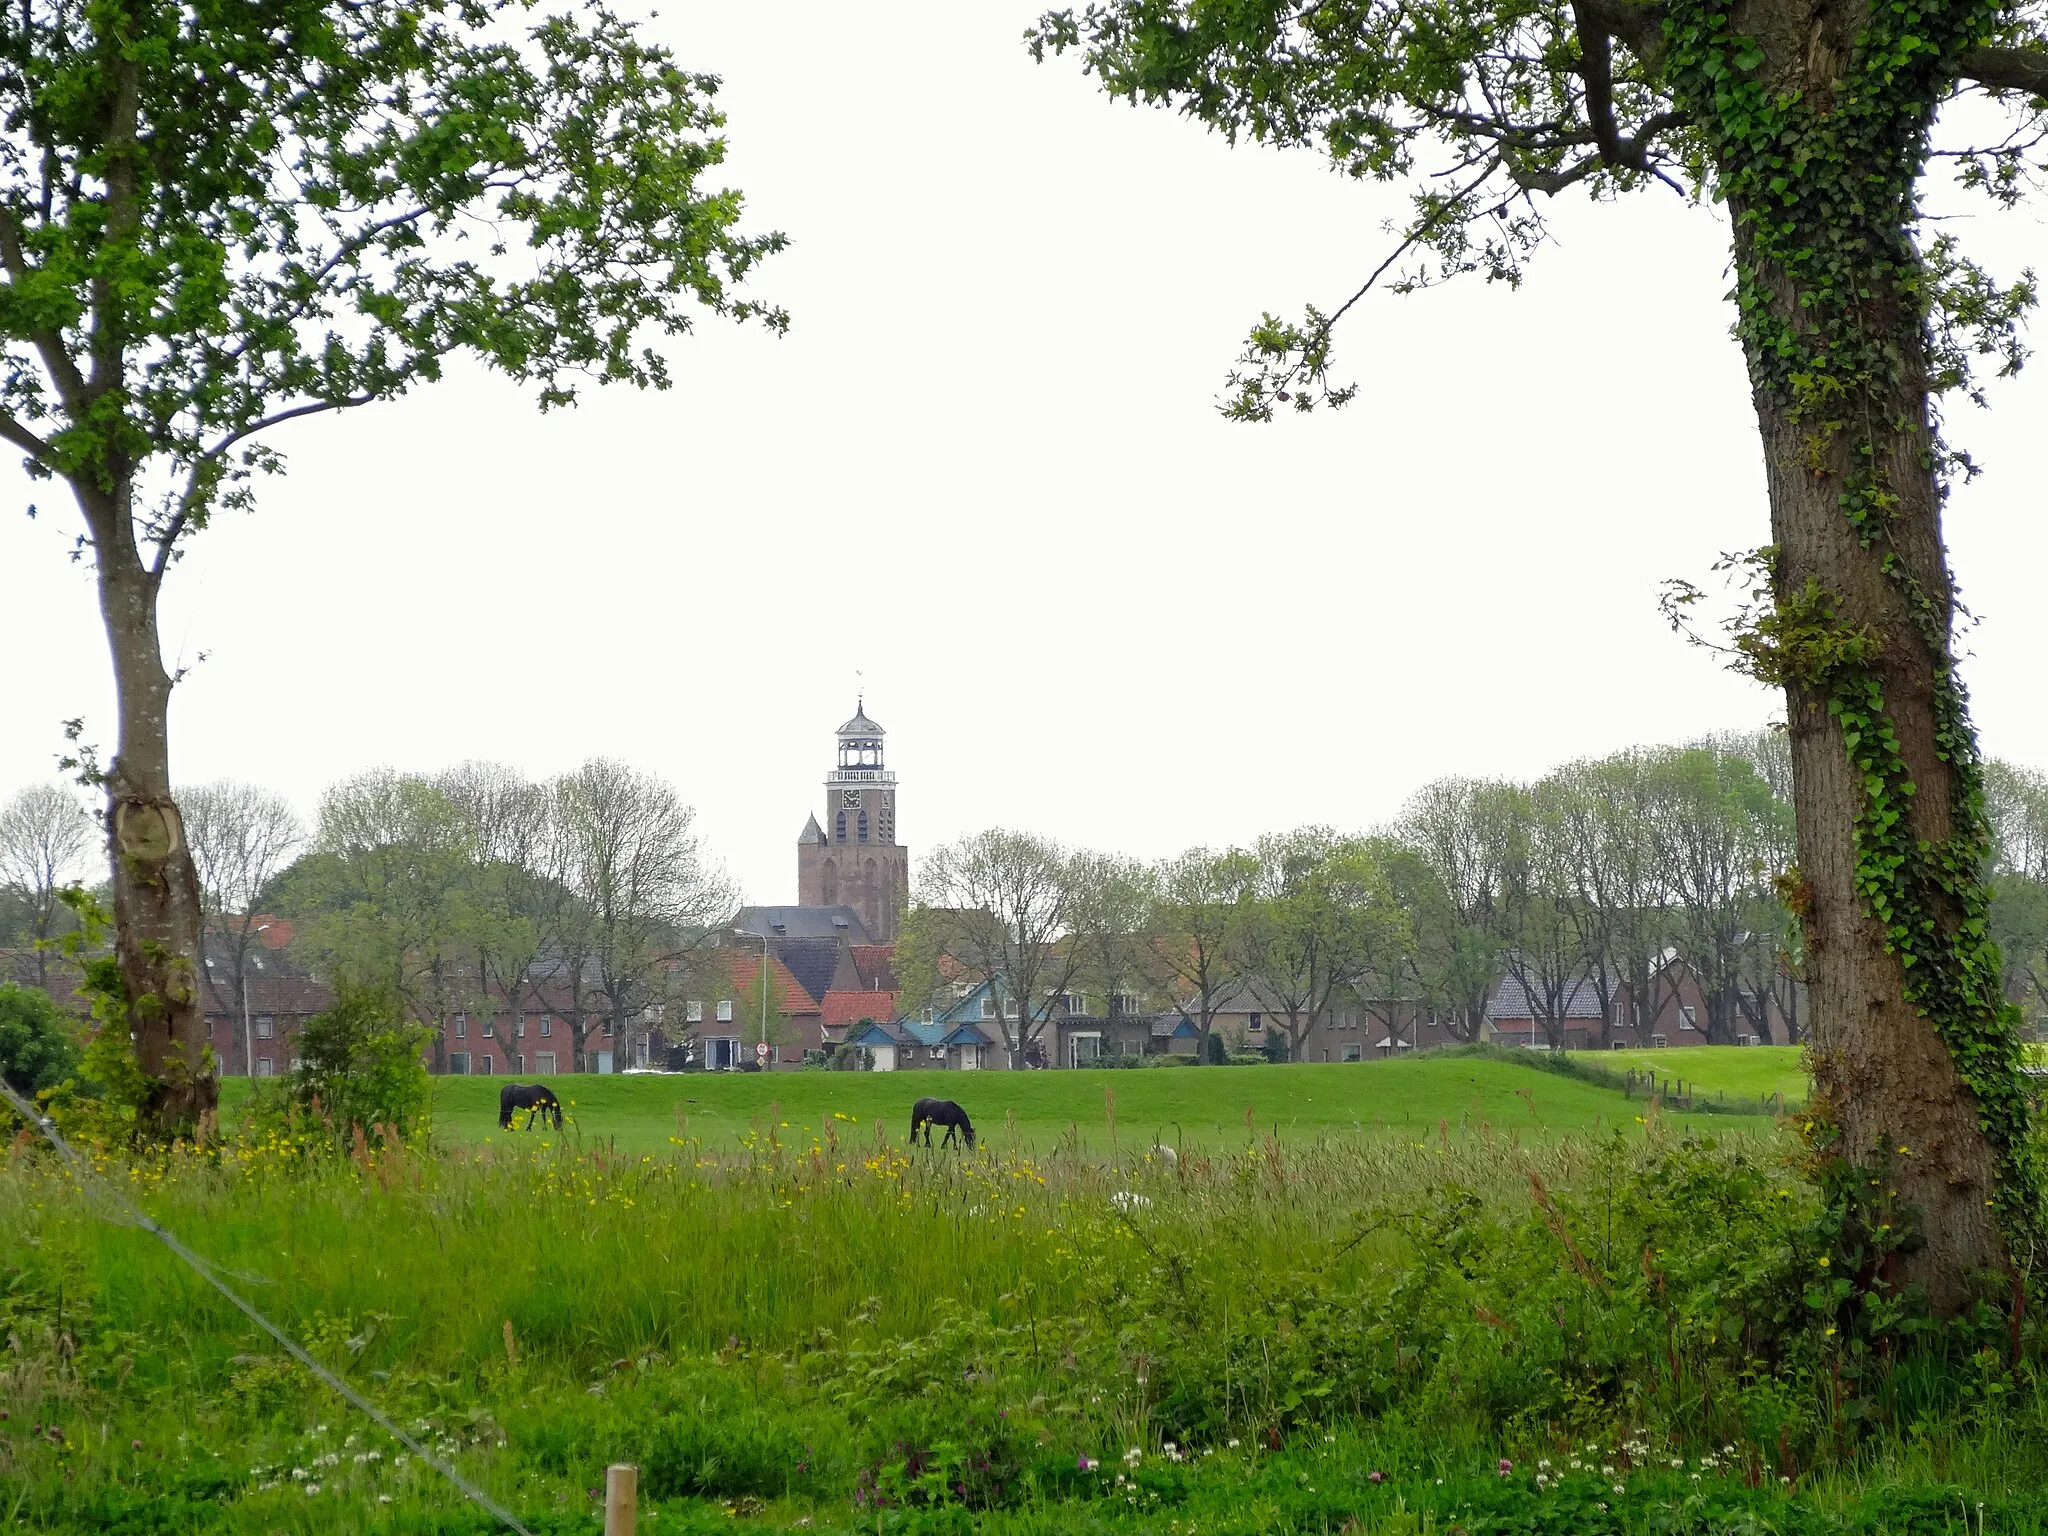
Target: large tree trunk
[[157, 915], [1885, 1079]]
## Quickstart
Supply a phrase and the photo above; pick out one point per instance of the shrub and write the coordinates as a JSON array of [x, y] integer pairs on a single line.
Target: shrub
[[360, 1066], [37, 1050]]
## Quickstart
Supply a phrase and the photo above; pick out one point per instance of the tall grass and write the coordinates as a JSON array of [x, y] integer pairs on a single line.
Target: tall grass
[[840, 1321]]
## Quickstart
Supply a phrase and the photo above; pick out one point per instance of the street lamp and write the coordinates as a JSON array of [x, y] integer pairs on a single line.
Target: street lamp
[[761, 1052], [248, 1034]]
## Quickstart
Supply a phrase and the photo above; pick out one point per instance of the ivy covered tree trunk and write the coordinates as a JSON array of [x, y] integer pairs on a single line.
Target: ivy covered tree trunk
[[1819, 115]]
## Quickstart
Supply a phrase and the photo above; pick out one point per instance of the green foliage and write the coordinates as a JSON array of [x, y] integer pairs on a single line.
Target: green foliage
[[360, 1069], [37, 1048]]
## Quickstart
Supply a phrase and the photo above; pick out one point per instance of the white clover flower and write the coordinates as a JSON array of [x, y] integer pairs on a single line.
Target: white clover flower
[[311, 1489], [298, 1474]]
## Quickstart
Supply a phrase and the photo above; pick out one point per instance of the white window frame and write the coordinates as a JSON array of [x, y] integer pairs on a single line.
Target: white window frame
[[544, 1063], [693, 1011], [725, 1010]]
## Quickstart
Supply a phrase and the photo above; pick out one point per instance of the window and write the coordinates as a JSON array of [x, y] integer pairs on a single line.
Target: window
[[693, 1011], [1687, 1019], [1255, 1023], [1010, 1008], [489, 1028], [928, 1013], [265, 1067], [725, 1010], [458, 1063], [518, 1062], [461, 1026], [519, 1029], [862, 826], [607, 1026], [839, 827], [1351, 1050], [266, 1027], [483, 1064], [544, 1063], [988, 1006], [546, 1024]]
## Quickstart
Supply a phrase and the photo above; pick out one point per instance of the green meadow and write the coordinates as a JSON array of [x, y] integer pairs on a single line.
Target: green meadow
[[1208, 1107]]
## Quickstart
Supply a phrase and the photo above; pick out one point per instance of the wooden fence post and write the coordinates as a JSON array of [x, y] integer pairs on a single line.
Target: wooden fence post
[[621, 1486]]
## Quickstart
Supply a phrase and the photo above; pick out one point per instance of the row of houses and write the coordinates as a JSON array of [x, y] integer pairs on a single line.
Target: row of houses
[[832, 993]]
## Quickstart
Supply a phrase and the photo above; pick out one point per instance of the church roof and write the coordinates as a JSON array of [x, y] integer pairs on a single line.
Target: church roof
[[812, 832], [860, 724], [803, 923]]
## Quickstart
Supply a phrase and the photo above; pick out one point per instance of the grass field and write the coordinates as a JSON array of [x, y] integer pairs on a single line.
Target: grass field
[[1208, 1107], [1754, 1072], [1527, 1330]]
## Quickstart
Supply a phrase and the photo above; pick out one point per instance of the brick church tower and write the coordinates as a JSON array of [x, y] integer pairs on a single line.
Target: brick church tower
[[854, 858]]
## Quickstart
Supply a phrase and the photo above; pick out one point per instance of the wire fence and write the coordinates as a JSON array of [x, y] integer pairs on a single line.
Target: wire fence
[[131, 1214]]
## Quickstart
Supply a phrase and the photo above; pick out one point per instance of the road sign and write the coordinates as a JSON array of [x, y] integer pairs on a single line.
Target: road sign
[[761, 1052]]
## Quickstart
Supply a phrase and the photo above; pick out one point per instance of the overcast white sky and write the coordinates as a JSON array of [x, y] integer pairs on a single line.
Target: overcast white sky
[[985, 470]]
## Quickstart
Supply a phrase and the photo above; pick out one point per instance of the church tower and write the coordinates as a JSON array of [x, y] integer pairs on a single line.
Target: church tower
[[853, 858]]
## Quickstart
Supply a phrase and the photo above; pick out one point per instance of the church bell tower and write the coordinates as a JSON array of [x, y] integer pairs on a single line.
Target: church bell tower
[[852, 858]]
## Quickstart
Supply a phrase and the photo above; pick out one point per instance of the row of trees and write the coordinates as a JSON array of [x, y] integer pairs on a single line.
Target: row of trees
[[1596, 877], [463, 891], [473, 889]]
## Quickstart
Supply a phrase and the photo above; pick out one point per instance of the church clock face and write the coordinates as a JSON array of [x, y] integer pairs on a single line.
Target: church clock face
[[850, 798]]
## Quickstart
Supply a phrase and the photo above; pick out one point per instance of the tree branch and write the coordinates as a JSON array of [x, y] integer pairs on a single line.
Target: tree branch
[[15, 433], [57, 361], [166, 538], [2007, 69]]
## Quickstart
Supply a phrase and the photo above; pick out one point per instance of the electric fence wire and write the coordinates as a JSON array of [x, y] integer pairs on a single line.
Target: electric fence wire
[[202, 1268]]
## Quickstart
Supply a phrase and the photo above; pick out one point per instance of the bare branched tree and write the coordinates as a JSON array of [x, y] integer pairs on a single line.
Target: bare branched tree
[[242, 836], [45, 835], [652, 904], [1002, 905]]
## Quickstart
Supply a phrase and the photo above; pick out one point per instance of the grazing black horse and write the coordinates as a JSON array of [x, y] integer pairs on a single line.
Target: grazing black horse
[[926, 1113], [536, 1100]]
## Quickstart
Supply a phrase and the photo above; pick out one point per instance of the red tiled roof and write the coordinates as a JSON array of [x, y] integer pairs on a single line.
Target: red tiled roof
[[849, 1007], [790, 995]]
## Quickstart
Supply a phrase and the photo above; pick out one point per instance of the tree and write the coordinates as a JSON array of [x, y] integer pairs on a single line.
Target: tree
[[521, 904], [1719, 836], [1000, 907], [1468, 832], [44, 836], [1600, 812], [1810, 121], [385, 898], [242, 837], [217, 220], [1320, 909], [650, 905], [2018, 799], [1113, 907], [1197, 898]]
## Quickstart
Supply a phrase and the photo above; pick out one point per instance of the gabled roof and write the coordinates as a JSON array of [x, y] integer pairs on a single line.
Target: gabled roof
[[789, 995], [850, 1007], [1174, 1027], [1510, 1000]]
